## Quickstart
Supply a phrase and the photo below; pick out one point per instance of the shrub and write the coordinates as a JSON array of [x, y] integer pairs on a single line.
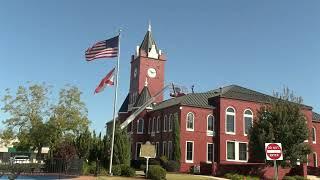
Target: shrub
[[163, 161], [127, 171], [300, 178], [156, 172], [172, 166], [288, 178], [154, 162], [103, 172], [116, 170], [234, 176]]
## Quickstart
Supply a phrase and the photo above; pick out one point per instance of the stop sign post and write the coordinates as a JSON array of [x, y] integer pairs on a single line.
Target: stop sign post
[[273, 151]]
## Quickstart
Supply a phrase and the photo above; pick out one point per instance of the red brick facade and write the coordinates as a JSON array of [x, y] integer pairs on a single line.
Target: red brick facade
[[156, 124]]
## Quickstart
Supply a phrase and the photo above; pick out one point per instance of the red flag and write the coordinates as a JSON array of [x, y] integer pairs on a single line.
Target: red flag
[[106, 81]]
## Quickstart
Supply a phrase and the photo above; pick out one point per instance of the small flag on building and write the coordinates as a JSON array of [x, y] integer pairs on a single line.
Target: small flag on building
[[106, 81], [103, 49]]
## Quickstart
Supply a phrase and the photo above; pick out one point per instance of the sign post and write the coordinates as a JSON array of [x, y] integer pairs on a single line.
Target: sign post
[[147, 151], [274, 153]]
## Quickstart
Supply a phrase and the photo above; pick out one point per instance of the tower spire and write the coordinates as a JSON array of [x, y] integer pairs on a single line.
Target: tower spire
[[149, 26]]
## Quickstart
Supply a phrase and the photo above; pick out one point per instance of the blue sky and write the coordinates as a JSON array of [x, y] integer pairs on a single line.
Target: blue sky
[[262, 45]]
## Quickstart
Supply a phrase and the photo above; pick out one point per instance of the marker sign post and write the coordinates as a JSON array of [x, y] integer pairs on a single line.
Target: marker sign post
[[274, 153], [147, 151]]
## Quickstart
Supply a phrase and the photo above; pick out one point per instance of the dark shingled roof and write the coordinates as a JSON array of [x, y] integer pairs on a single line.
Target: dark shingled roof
[[124, 106], [192, 99], [232, 92], [315, 116], [144, 96], [147, 42]]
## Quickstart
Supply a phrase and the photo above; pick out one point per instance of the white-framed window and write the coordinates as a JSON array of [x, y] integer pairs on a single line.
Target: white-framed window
[[164, 148], [210, 152], [149, 126], [247, 121], [237, 151], [169, 150], [153, 126], [190, 121], [165, 123], [189, 151], [314, 135], [230, 121], [138, 147], [210, 125], [140, 125], [158, 124], [315, 159], [170, 122], [157, 149]]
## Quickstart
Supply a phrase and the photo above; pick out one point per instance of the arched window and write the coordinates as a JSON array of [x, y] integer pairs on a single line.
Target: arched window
[[149, 126], [210, 125], [165, 123], [230, 121], [158, 124], [248, 120], [140, 126], [190, 121], [153, 126], [314, 135], [315, 159], [170, 122]]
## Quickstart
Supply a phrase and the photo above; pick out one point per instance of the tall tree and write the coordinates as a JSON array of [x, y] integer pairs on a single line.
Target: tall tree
[[122, 147], [83, 144], [176, 139], [29, 108], [283, 122]]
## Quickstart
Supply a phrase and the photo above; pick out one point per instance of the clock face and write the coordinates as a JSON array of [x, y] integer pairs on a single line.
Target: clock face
[[152, 72], [135, 72]]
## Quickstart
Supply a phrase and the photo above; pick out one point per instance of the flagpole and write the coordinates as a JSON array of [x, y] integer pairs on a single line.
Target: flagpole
[[115, 104]]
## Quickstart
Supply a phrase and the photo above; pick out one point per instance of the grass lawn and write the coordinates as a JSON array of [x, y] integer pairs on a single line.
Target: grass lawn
[[185, 177], [169, 177]]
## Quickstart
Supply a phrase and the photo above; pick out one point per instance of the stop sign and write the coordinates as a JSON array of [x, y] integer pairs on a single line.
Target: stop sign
[[273, 151]]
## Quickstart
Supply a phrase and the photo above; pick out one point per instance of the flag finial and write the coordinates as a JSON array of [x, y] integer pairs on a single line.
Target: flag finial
[[146, 82], [149, 26]]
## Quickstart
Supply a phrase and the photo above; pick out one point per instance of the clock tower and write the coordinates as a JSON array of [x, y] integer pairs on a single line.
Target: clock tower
[[147, 69]]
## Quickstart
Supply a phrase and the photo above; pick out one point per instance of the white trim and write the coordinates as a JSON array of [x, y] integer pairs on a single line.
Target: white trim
[[315, 160], [158, 124], [149, 126], [157, 149], [153, 130], [190, 129], [315, 135], [244, 120], [234, 120], [138, 126], [170, 122], [164, 148], [236, 151], [136, 156], [165, 123], [169, 152], [209, 132], [186, 155], [209, 162]]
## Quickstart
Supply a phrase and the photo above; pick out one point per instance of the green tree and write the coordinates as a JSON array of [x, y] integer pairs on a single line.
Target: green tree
[[122, 148], [83, 144], [29, 108], [176, 139], [282, 122]]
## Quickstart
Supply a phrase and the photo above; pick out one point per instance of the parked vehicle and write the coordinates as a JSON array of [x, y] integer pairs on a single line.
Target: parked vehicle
[[21, 159]]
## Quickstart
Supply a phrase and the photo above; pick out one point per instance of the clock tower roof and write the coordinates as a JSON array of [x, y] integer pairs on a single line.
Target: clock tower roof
[[148, 42]]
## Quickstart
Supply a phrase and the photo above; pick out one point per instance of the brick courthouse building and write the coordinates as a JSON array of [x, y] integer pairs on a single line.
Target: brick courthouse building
[[213, 124]]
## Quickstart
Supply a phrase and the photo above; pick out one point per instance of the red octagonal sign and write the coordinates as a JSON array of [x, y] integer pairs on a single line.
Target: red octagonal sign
[[273, 151]]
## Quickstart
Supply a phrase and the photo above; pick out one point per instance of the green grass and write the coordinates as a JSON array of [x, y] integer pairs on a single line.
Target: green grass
[[185, 177]]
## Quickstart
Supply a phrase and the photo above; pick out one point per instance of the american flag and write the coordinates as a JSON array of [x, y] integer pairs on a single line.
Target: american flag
[[103, 49]]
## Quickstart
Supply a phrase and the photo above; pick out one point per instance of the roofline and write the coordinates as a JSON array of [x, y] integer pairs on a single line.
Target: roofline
[[302, 105], [188, 105]]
